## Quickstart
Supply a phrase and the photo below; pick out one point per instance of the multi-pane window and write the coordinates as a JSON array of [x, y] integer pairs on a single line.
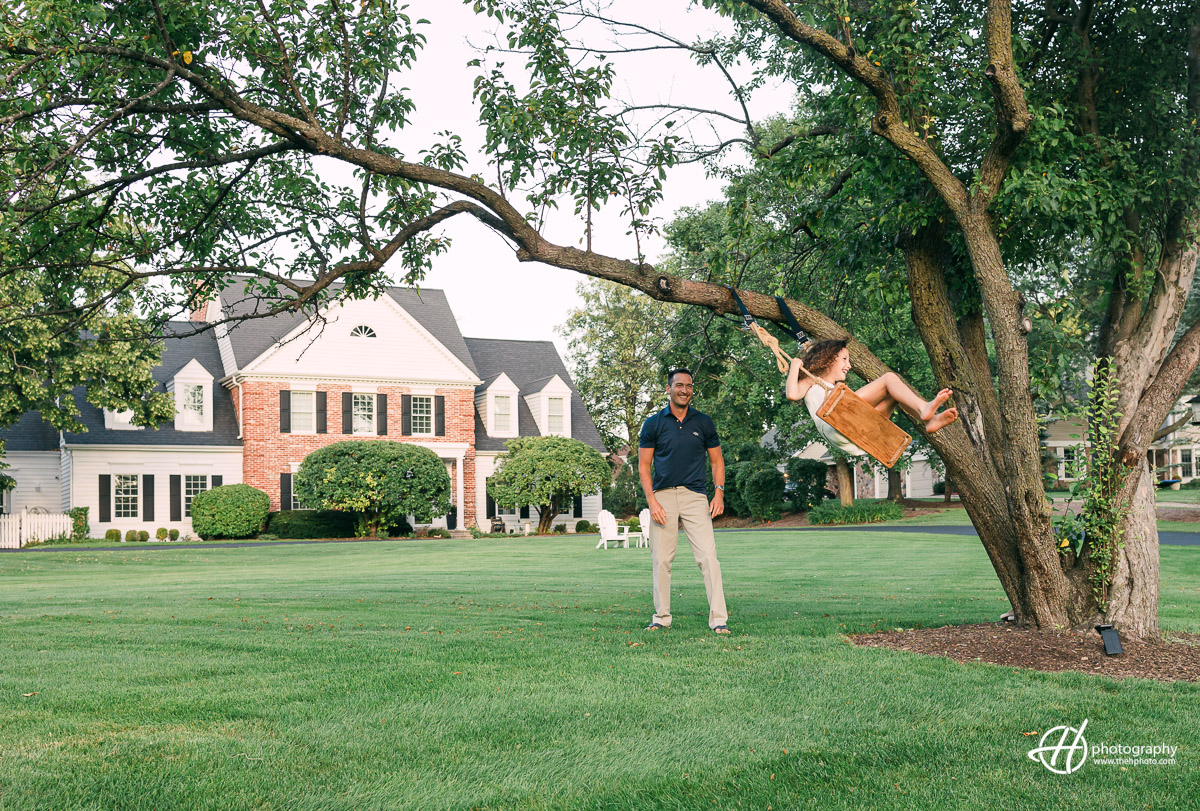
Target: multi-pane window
[[125, 496], [1185, 459], [303, 416], [1068, 469], [422, 415], [363, 413], [193, 399], [362, 331], [192, 487], [503, 411], [554, 415]]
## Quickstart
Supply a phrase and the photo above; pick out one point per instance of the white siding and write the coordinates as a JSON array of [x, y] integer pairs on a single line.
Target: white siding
[[403, 350], [64, 480], [89, 463], [920, 479], [37, 474]]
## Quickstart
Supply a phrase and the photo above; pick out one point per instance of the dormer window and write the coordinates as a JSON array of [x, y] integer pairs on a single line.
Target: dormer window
[[503, 414], [193, 390], [362, 331], [120, 421], [554, 415]]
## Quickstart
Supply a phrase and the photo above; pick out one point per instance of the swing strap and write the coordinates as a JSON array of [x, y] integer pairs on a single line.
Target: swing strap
[[782, 359], [793, 324]]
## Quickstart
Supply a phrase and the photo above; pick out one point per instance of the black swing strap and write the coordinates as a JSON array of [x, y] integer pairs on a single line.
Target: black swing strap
[[793, 324], [747, 319]]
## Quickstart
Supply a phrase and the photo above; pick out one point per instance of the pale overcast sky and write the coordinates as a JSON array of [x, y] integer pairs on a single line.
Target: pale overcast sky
[[491, 293]]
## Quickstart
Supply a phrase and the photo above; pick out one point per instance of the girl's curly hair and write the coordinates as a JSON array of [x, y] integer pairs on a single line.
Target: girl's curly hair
[[821, 355]]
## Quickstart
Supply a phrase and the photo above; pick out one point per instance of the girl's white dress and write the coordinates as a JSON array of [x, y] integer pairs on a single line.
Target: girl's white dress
[[813, 399]]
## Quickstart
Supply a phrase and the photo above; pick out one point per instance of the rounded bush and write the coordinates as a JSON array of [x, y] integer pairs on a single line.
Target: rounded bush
[[230, 511], [560, 529], [173, 534], [160, 534], [131, 536], [112, 535], [806, 482], [762, 491], [582, 525], [143, 535], [79, 523]]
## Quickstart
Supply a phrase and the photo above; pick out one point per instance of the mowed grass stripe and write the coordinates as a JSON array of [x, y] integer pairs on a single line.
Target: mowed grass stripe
[[514, 674]]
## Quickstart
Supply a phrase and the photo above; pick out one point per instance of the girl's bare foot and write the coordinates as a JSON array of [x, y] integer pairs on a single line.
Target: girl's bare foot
[[931, 409], [940, 421]]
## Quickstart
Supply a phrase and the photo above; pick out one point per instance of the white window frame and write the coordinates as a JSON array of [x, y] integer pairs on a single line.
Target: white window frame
[[1190, 465], [412, 416], [506, 428], [4, 501], [363, 331], [137, 496], [187, 499], [312, 412], [1062, 459], [562, 416], [358, 427]]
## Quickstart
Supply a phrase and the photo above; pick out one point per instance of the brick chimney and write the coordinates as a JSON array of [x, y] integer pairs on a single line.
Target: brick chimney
[[200, 313]]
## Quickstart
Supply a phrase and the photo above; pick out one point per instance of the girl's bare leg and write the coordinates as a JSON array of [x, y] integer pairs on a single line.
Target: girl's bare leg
[[888, 391]]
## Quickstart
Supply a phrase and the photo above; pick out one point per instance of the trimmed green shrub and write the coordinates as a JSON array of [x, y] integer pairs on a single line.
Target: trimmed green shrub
[[560, 529], [401, 529], [735, 504], [230, 511], [379, 480], [624, 496], [143, 536], [305, 524], [266, 536], [762, 491], [173, 534], [862, 512], [582, 525], [160, 534], [806, 482], [1194, 484], [635, 524], [79, 523], [131, 536], [113, 535], [939, 488]]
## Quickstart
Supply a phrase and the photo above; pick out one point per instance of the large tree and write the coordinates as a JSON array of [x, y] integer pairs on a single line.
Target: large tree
[[175, 139]]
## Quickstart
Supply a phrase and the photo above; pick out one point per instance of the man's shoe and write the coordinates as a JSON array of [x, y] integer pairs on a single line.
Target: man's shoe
[[721, 629], [654, 626]]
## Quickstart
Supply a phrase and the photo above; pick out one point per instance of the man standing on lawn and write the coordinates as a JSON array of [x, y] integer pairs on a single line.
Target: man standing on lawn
[[676, 441]]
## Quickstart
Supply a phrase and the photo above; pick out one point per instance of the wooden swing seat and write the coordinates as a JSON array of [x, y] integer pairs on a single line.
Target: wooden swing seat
[[862, 424]]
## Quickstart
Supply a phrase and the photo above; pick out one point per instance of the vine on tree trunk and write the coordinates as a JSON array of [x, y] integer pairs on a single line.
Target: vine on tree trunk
[[1104, 510]]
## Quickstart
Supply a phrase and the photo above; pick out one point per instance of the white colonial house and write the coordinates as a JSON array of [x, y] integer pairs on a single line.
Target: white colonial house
[[253, 399]]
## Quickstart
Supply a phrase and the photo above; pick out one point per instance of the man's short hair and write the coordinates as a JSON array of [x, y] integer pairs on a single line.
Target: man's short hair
[[671, 374]]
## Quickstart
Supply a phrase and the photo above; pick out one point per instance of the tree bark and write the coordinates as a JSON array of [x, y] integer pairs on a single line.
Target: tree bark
[[845, 482], [894, 484]]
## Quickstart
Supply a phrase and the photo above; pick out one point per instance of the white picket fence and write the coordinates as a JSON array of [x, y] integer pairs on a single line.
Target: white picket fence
[[20, 529]]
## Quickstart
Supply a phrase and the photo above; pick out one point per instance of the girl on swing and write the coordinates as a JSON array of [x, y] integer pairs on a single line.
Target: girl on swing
[[830, 361]]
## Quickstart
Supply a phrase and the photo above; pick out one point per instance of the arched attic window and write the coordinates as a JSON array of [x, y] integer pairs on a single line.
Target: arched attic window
[[362, 331]]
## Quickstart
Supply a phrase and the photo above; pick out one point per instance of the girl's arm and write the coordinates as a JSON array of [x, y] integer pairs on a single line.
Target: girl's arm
[[797, 385]]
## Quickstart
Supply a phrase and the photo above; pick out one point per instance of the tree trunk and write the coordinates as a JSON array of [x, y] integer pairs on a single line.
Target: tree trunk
[[894, 482], [946, 489], [845, 482], [546, 517]]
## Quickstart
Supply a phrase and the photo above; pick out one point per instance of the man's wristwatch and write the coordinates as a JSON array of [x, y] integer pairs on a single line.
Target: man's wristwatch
[[721, 487]]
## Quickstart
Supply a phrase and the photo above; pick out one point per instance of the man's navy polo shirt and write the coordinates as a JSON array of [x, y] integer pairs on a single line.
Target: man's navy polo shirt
[[680, 448]]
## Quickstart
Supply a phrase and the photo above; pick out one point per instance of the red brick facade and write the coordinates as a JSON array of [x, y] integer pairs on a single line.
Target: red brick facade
[[267, 452]]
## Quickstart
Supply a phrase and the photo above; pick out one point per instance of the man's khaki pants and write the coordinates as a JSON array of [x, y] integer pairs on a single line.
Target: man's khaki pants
[[691, 508]]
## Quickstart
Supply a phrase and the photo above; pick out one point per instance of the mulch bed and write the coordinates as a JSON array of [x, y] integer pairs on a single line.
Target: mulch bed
[[1177, 659]]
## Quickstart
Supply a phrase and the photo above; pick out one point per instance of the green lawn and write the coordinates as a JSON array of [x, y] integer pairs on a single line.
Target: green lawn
[[514, 674]]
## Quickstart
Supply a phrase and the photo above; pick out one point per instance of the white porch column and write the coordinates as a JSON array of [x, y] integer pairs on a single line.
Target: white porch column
[[460, 497]]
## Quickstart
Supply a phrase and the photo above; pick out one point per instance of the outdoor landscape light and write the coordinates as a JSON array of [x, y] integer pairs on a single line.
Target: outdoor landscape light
[[1112, 642]]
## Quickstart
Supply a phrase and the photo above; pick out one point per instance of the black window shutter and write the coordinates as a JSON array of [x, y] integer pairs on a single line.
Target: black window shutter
[[285, 492], [406, 415], [347, 412], [491, 502], [381, 413], [285, 412], [439, 416], [148, 497], [322, 413], [105, 499], [577, 507], [525, 511], [176, 498], [216, 480]]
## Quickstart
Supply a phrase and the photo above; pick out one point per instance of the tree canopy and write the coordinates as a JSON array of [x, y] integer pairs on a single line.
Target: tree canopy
[[547, 472], [978, 163]]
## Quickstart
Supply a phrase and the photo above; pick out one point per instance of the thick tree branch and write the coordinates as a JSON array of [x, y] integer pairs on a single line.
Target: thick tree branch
[[1012, 114], [1160, 396]]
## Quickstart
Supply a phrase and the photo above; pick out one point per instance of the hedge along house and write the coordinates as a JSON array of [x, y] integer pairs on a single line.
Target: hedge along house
[[526, 391], [255, 397]]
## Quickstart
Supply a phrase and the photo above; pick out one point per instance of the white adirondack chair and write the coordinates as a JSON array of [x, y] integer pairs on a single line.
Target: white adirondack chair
[[610, 532], [643, 536]]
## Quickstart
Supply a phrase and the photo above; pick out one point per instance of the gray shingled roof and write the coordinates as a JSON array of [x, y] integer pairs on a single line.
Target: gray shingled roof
[[30, 433], [177, 353], [529, 364], [255, 336]]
